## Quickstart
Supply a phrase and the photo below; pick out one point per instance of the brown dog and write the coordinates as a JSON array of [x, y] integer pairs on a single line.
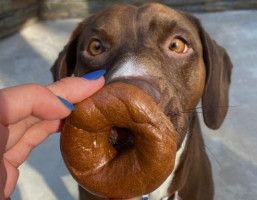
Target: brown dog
[[168, 54]]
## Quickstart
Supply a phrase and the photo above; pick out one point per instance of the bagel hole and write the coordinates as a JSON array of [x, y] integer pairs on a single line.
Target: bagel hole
[[121, 139]]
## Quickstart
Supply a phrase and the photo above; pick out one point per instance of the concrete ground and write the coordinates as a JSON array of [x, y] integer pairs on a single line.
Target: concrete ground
[[27, 57]]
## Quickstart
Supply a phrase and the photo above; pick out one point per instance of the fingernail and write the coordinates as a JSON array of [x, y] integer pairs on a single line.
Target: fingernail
[[70, 106], [94, 75], [144, 198]]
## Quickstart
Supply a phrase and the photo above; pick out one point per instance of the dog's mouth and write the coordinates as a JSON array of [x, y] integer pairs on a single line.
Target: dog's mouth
[[145, 85], [123, 139]]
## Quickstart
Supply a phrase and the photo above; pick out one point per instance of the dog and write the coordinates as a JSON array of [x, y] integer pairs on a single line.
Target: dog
[[168, 54]]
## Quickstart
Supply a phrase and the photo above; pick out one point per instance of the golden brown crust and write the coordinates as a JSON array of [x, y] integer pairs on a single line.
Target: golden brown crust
[[97, 165]]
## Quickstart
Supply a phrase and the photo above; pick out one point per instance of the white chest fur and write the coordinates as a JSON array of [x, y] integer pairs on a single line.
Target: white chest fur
[[161, 193]]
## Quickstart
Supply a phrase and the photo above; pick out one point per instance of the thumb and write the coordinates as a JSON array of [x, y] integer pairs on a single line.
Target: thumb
[[19, 102], [75, 89]]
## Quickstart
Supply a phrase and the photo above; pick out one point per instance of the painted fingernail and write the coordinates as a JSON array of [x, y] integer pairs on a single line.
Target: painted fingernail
[[144, 198], [67, 104], [94, 75]]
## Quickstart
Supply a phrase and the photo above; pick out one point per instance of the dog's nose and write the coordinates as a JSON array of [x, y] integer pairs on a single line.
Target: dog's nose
[[133, 73], [146, 85]]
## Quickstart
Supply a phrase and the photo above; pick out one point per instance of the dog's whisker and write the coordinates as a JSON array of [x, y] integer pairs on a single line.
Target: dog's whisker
[[194, 110]]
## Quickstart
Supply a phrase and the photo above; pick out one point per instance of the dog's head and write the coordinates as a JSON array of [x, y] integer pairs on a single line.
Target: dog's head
[[162, 51]]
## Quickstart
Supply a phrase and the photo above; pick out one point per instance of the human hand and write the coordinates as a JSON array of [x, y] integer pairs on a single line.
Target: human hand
[[29, 114]]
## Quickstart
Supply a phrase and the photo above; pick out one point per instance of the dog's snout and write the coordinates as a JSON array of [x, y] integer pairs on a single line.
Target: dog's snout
[[133, 73], [145, 85]]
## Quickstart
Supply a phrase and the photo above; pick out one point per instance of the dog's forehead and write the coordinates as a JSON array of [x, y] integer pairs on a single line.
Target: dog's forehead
[[128, 17], [115, 16], [159, 12]]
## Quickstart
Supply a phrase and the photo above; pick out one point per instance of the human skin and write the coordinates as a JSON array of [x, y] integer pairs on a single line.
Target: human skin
[[29, 115]]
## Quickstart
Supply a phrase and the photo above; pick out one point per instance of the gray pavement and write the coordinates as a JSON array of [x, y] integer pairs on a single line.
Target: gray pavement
[[28, 55]]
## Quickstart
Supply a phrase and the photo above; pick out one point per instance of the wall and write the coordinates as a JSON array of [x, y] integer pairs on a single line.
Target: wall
[[15, 14], [68, 8]]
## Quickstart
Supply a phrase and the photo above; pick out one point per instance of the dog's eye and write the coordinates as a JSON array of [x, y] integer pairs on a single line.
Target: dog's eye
[[95, 48], [177, 45]]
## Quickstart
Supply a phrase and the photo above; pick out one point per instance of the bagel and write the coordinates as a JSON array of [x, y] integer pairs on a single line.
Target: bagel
[[118, 143]]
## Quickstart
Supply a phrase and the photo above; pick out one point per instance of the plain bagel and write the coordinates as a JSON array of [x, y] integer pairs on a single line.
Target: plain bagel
[[118, 143]]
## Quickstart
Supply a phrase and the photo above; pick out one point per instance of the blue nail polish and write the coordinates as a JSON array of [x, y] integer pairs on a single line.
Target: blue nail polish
[[94, 75], [67, 104], [144, 198]]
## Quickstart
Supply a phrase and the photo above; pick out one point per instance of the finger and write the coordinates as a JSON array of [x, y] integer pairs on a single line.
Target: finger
[[32, 138], [11, 179], [78, 90], [17, 130], [3, 178], [19, 102], [4, 134]]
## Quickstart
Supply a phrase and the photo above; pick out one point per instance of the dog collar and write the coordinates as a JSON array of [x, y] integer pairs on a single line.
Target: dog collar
[[175, 196]]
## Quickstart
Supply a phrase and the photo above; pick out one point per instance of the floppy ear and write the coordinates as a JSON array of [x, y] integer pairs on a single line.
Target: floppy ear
[[218, 77], [65, 63]]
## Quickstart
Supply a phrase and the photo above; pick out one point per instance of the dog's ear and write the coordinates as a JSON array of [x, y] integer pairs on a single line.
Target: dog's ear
[[215, 99], [65, 63]]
